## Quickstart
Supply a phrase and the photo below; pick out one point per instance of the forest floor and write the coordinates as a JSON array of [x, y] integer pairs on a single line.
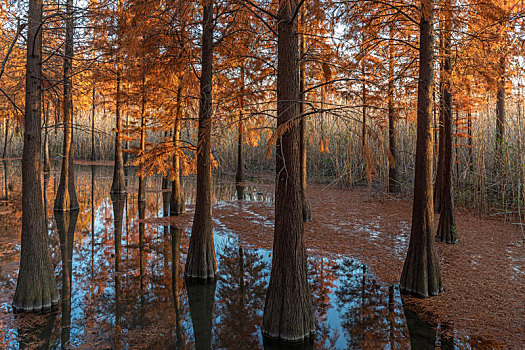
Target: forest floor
[[483, 275]]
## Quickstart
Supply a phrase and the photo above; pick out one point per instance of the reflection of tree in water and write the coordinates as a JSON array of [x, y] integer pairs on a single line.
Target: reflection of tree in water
[[321, 281], [201, 298], [369, 321], [119, 202], [240, 298], [176, 283], [423, 335], [66, 224], [35, 334]]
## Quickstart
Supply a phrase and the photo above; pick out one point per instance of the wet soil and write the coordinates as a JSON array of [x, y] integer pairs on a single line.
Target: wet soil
[[483, 274]]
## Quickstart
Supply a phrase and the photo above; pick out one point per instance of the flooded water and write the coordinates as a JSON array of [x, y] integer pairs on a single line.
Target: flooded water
[[120, 269]]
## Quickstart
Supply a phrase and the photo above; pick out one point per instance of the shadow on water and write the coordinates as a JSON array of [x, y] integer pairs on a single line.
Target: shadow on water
[[123, 287]]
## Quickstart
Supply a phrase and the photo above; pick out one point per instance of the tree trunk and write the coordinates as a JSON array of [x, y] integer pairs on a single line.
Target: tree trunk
[[288, 312], [201, 262], [36, 287], [239, 177], [142, 178], [177, 205], [4, 153], [500, 110], [47, 158], [438, 187], [421, 274], [307, 212], [447, 223], [93, 157], [393, 182], [119, 181], [364, 144], [66, 198], [66, 224]]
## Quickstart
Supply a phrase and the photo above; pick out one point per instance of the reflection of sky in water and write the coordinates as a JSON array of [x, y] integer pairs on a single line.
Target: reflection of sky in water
[[352, 310]]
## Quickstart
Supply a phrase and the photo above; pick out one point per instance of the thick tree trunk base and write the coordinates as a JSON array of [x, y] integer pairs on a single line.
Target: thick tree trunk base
[[118, 185], [289, 316], [201, 263], [421, 276], [36, 292], [273, 344], [66, 200], [446, 231]]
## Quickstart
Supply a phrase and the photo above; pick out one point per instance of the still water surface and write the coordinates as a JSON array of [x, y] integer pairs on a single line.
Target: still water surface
[[120, 271]]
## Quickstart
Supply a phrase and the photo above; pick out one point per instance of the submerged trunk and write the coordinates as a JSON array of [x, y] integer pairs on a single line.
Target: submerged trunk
[[288, 312], [36, 287], [307, 212], [201, 262], [66, 198], [447, 223], [177, 205], [421, 274]]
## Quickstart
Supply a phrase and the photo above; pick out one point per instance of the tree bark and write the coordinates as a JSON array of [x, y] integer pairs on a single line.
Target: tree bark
[[393, 182], [500, 108], [177, 205], [201, 262], [239, 176], [119, 181], [47, 158], [438, 186], [447, 223], [36, 287], [421, 274], [142, 178], [307, 212], [66, 198], [93, 156], [288, 312]]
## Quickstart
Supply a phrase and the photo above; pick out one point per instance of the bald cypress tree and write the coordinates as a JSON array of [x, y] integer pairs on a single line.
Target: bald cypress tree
[[421, 274], [36, 286], [66, 198], [201, 262], [288, 312]]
